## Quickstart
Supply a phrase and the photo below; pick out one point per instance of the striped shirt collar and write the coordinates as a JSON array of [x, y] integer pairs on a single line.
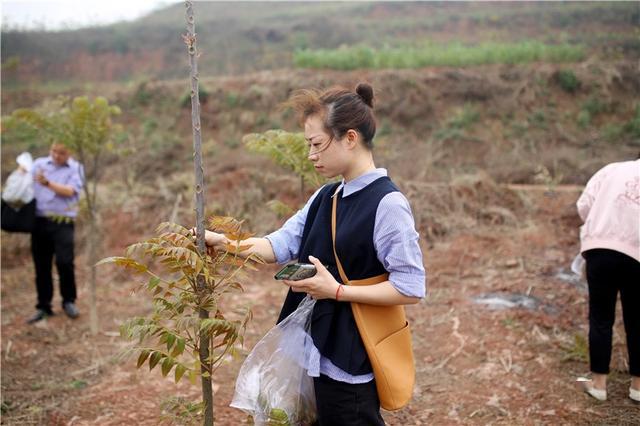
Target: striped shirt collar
[[66, 164], [360, 182]]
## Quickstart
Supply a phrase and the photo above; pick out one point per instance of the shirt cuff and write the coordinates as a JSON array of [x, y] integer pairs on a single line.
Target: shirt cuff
[[409, 284], [280, 248]]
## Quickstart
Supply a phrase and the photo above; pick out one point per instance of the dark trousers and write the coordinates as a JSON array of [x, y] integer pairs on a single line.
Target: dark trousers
[[49, 238], [343, 404], [610, 272]]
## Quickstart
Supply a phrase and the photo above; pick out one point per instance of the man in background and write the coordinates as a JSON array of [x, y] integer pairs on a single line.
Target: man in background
[[58, 180]]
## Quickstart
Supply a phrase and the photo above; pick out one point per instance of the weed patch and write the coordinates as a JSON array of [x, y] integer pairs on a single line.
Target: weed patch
[[568, 81], [577, 351], [457, 125]]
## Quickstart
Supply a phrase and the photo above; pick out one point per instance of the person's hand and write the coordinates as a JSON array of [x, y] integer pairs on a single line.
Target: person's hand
[[42, 180], [321, 286], [212, 239]]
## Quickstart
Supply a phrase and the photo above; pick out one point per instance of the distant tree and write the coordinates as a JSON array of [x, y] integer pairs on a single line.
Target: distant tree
[[87, 129], [288, 150]]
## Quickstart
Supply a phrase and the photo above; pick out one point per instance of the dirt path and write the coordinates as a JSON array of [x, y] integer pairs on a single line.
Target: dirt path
[[474, 365]]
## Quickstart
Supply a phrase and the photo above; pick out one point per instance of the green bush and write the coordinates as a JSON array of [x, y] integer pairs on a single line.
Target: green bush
[[632, 127], [589, 110], [149, 126], [613, 132], [232, 143], [584, 119], [594, 106], [360, 56], [232, 99], [465, 117], [538, 118], [456, 126], [568, 81], [203, 94], [142, 96]]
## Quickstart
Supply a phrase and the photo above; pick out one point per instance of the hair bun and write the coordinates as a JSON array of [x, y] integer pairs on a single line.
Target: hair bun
[[365, 91]]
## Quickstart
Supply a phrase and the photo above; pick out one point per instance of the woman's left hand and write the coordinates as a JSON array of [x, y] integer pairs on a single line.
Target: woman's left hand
[[321, 286]]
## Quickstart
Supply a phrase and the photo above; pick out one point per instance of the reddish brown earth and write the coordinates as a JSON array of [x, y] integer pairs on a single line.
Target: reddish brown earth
[[474, 365]]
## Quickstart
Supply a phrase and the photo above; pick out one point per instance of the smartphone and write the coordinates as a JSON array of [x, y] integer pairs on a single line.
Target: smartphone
[[296, 272]]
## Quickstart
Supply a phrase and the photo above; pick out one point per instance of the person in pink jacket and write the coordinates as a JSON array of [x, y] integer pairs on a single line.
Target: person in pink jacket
[[610, 243]]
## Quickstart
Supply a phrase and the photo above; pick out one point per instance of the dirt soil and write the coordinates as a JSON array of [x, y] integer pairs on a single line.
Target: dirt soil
[[474, 365]]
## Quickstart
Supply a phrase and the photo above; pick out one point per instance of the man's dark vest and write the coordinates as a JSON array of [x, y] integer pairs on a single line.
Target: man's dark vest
[[333, 327]]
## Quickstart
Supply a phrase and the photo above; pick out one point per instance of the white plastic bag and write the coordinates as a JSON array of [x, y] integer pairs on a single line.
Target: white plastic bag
[[19, 187], [578, 266], [273, 385]]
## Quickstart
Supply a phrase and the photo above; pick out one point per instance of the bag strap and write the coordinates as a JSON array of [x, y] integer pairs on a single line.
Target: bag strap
[[334, 209]]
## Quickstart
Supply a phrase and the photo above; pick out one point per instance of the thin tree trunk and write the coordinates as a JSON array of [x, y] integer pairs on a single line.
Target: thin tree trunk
[[92, 239], [92, 260], [93, 248], [190, 40]]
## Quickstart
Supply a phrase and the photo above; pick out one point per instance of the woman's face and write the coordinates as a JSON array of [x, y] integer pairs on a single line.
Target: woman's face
[[327, 154]]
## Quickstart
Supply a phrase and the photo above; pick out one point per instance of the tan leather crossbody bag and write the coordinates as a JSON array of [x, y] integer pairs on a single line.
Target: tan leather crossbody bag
[[386, 336]]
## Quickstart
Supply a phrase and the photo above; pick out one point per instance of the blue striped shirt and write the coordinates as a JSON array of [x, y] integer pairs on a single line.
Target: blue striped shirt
[[48, 203], [397, 246]]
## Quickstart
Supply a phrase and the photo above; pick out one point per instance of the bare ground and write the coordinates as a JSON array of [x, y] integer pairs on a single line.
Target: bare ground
[[474, 365]]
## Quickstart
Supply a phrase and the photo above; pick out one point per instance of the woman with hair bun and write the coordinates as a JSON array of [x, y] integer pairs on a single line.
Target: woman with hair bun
[[375, 235]]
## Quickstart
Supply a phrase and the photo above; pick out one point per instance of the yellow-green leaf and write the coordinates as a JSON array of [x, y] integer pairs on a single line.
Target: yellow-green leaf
[[193, 376], [153, 282], [143, 357], [155, 358], [179, 347], [125, 262], [167, 364], [179, 372], [170, 341]]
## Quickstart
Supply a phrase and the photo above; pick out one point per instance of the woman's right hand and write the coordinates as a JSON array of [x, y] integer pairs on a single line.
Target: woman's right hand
[[212, 239]]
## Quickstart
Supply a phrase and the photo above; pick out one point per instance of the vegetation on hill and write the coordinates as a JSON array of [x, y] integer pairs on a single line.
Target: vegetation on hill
[[355, 57], [508, 118], [246, 37]]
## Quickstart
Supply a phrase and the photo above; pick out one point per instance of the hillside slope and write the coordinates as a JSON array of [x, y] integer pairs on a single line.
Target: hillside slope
[[245, 37]]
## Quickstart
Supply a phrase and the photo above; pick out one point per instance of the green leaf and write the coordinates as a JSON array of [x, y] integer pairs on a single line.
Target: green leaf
[[163, 338], [153, 282], [143, 357], [125, 262], [167, 364], [215, 326], [155, 358], [170, 341], [179, 348], [193, 376], [179, 372]]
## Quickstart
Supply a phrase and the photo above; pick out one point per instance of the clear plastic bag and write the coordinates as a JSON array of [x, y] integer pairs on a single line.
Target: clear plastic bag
[[578, 266], [18, 190], [273, 385]]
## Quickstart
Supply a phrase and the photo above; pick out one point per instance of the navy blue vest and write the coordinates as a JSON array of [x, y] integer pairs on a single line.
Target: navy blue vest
[[333, 327]]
